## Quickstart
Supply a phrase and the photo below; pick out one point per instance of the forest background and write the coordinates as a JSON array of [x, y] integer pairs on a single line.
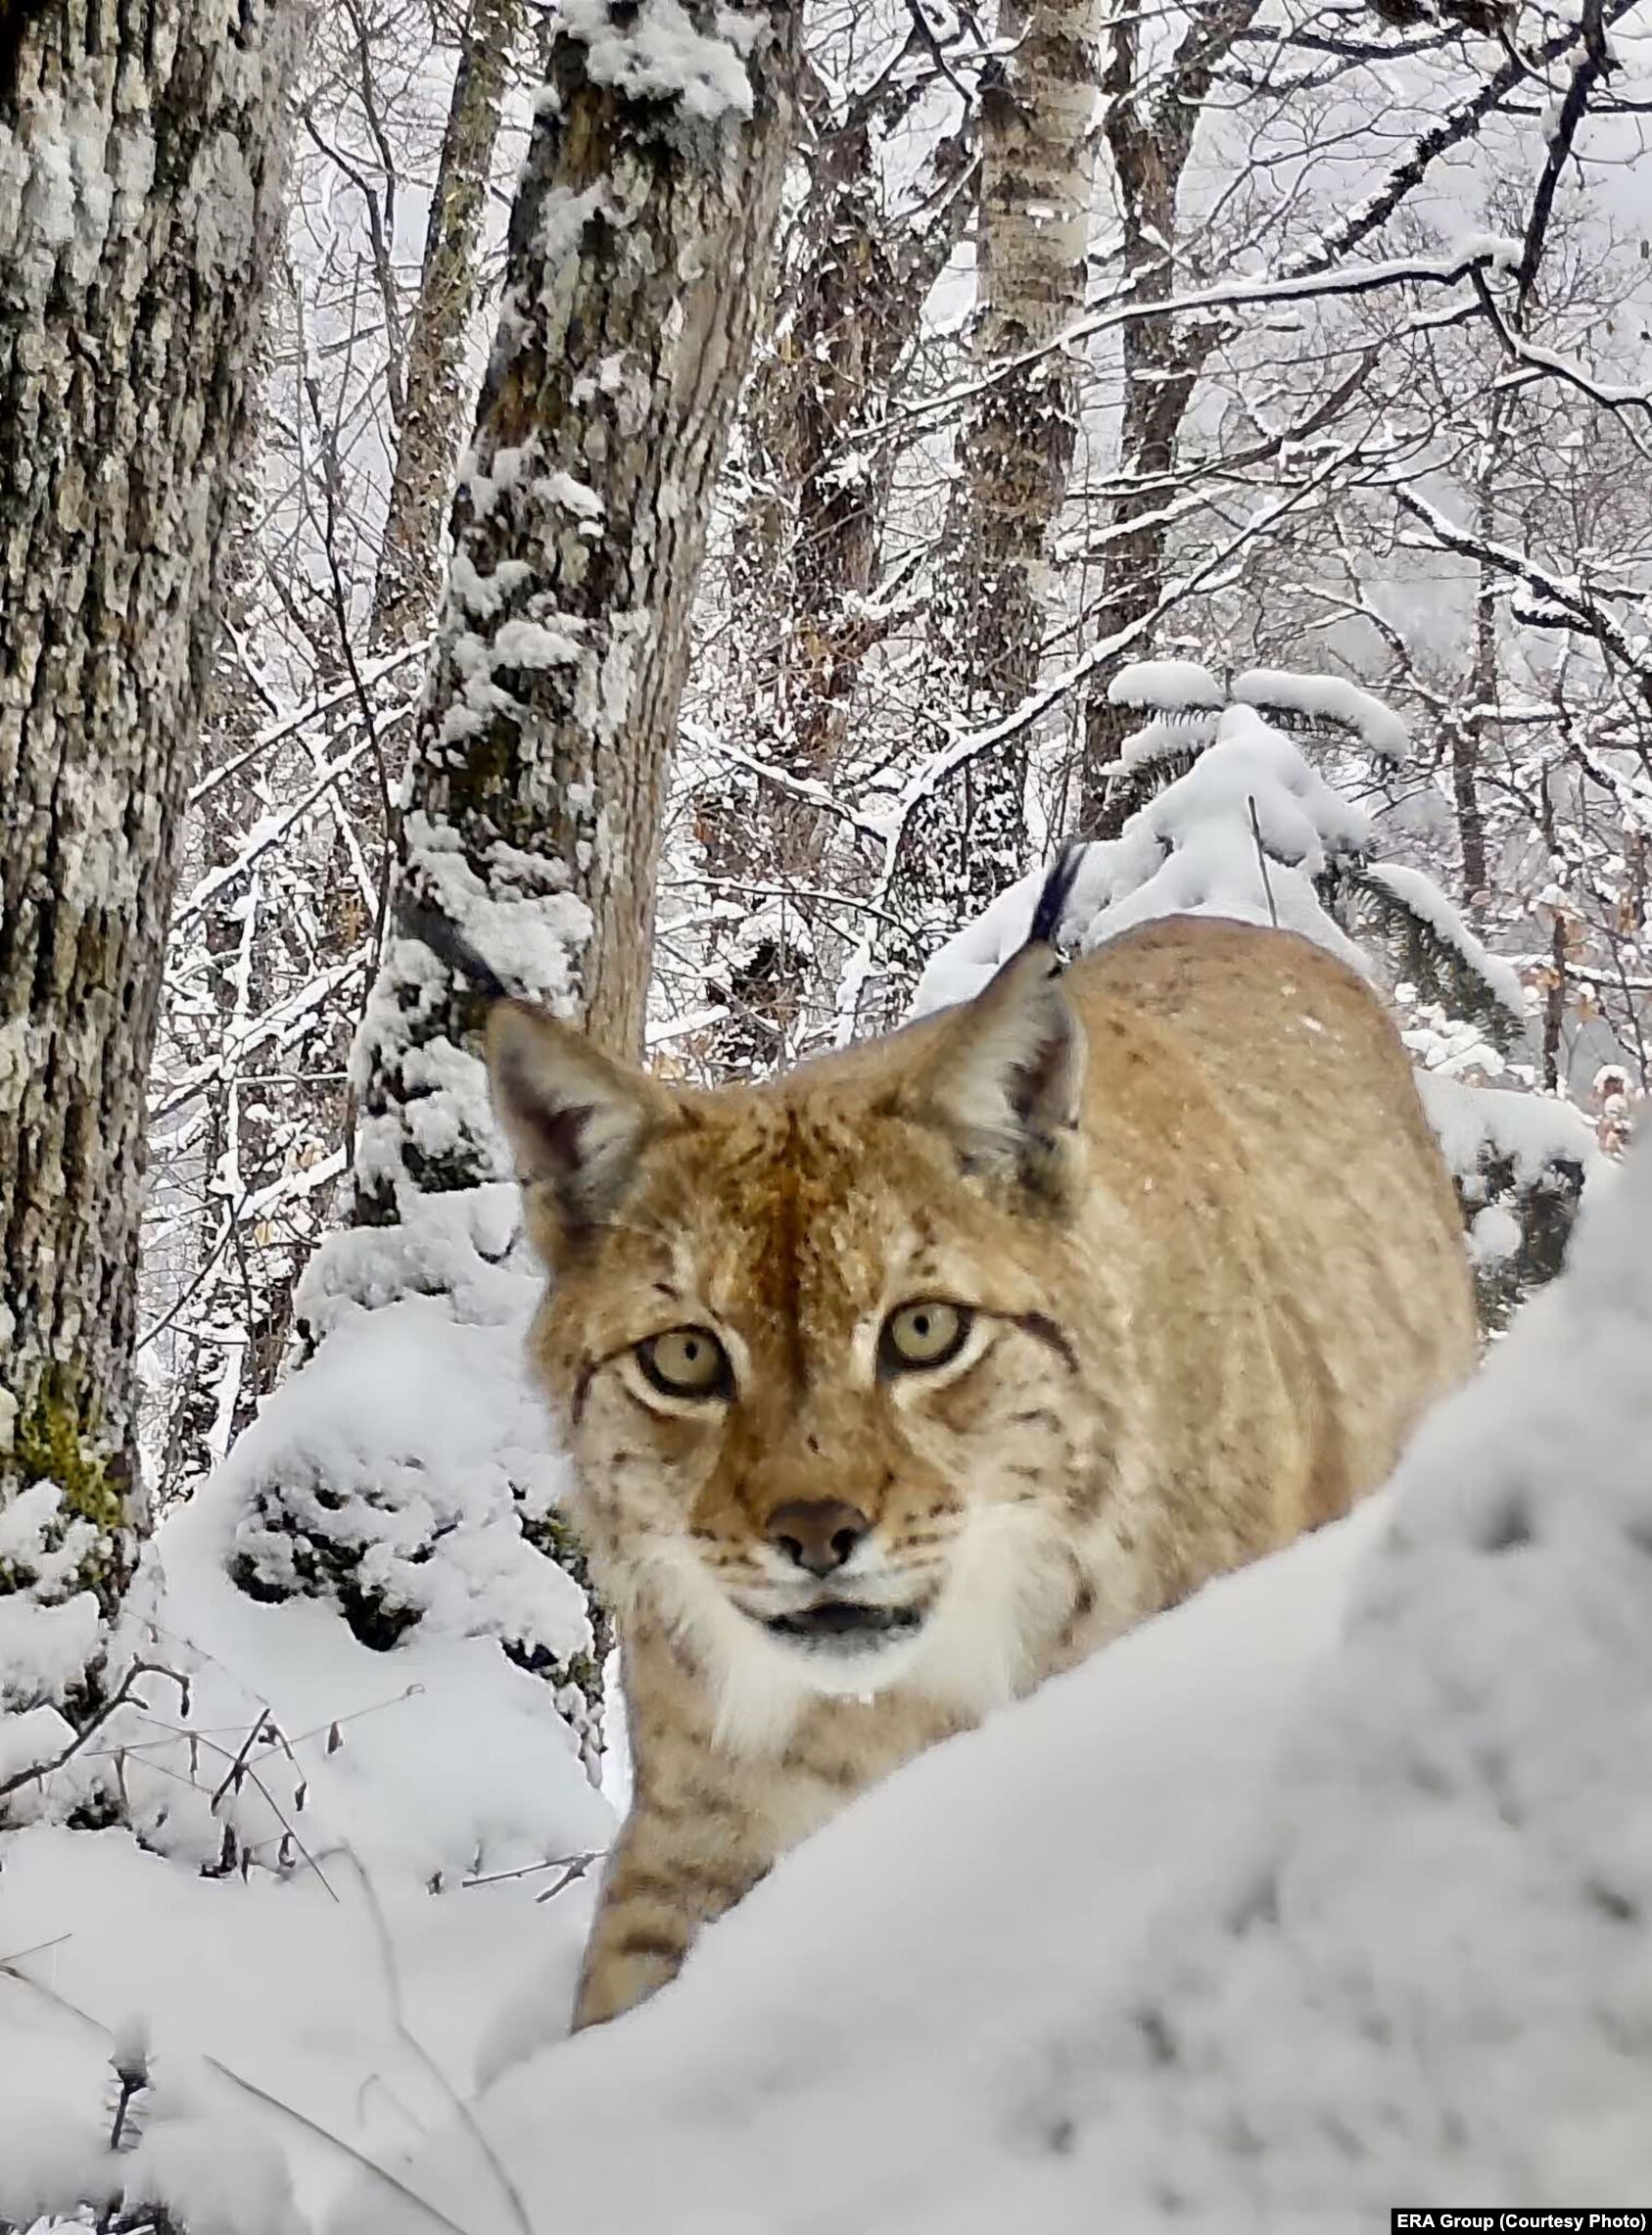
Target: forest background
[[703, 500]]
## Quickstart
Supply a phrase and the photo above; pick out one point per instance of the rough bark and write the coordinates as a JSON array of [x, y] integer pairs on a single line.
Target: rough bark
[[435, 392], [638, 254], [1151, 137], [995, 597], [138, 203], [1038, 143], [850, 316]]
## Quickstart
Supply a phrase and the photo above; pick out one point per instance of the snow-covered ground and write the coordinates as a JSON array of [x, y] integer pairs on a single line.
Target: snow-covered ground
[[417, 1826], [1327, 1890]]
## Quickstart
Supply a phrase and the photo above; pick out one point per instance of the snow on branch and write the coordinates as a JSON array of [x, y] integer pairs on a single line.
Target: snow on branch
[[1418, 900], [1458, 124], [1196, 849], [1565, 594], [1325, 698], [1448, 269], [936, 768], [1170, 686], [655, 52]]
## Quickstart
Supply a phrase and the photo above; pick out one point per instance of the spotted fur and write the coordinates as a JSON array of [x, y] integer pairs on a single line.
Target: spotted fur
[[1215, 1272]]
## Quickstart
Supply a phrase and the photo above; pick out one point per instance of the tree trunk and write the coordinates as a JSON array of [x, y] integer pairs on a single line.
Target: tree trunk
[[1038, 112], [805, 566], [995, 597], [435, 393], [1151, 137], [140, 151], [636, 260], [1468, 738], [639, 248]]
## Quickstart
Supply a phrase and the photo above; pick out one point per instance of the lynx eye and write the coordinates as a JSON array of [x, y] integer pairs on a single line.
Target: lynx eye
[[920, 1335], [689, 1361]]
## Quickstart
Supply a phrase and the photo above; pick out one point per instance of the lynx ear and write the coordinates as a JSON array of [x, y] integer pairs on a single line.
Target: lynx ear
[[1007, 1073], [575, 1118]]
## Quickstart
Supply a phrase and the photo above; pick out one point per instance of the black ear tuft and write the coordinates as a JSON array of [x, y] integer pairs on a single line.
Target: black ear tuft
[[1005, 1076], [450, 944], [1047, 917]]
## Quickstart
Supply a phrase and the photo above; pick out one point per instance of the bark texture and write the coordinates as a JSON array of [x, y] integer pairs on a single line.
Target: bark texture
[[435, 393], [638, 256], [138, 210], [1151, 114], [848, 319], [997, 598], [807, 563], [1038, 146]]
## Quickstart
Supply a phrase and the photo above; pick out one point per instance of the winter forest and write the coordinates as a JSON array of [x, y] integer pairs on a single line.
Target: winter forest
[[678, 511]]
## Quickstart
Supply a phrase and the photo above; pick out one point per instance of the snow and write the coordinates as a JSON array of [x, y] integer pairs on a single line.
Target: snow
[[1493, 1235], [1421, 897], [1172, 686], [483, 594], [660, 56], [1533, 1130], [529, 644], [576, 496], [363, 1783], [398, 1814], [1325, 1889], [409, 1430], [1326, 698], [1164, 737], [1198, 848], [292, 1991], [1192, 850]]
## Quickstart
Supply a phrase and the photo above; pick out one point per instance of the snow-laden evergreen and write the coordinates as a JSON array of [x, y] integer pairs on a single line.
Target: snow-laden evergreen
[[1251, 829]]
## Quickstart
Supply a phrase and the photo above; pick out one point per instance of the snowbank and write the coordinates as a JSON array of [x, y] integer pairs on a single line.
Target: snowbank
[[1264, 1918], [350, 1991], [365, 1871]]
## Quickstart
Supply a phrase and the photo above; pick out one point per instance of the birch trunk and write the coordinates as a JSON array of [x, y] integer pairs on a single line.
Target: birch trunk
[[138, 202], [1038, 148]]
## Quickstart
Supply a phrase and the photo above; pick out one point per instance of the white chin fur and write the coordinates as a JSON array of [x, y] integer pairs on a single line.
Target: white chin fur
[[1006, 1594], [859, 1675]]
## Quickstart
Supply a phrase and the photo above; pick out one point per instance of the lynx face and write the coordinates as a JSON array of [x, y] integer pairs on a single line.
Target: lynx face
[[823, 1421]]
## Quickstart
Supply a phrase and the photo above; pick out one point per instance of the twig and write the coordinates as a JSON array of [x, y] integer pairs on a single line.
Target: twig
[[579, 1864], [325, 2134], [576, 1869], [929, 38], [1595, 65], [410, 2041], [124, 1693], [1263, 859]]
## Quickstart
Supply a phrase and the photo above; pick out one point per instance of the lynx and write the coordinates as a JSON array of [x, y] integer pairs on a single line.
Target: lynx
[[903, 1381]]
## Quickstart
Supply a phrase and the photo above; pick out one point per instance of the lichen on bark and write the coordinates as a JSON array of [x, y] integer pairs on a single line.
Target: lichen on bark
[[139, 191]]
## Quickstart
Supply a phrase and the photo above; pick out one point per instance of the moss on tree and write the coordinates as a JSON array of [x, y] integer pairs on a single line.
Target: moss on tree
[[56, 1439]]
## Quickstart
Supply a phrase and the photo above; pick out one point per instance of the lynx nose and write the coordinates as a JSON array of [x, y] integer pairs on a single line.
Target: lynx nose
[[817, 1533]]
